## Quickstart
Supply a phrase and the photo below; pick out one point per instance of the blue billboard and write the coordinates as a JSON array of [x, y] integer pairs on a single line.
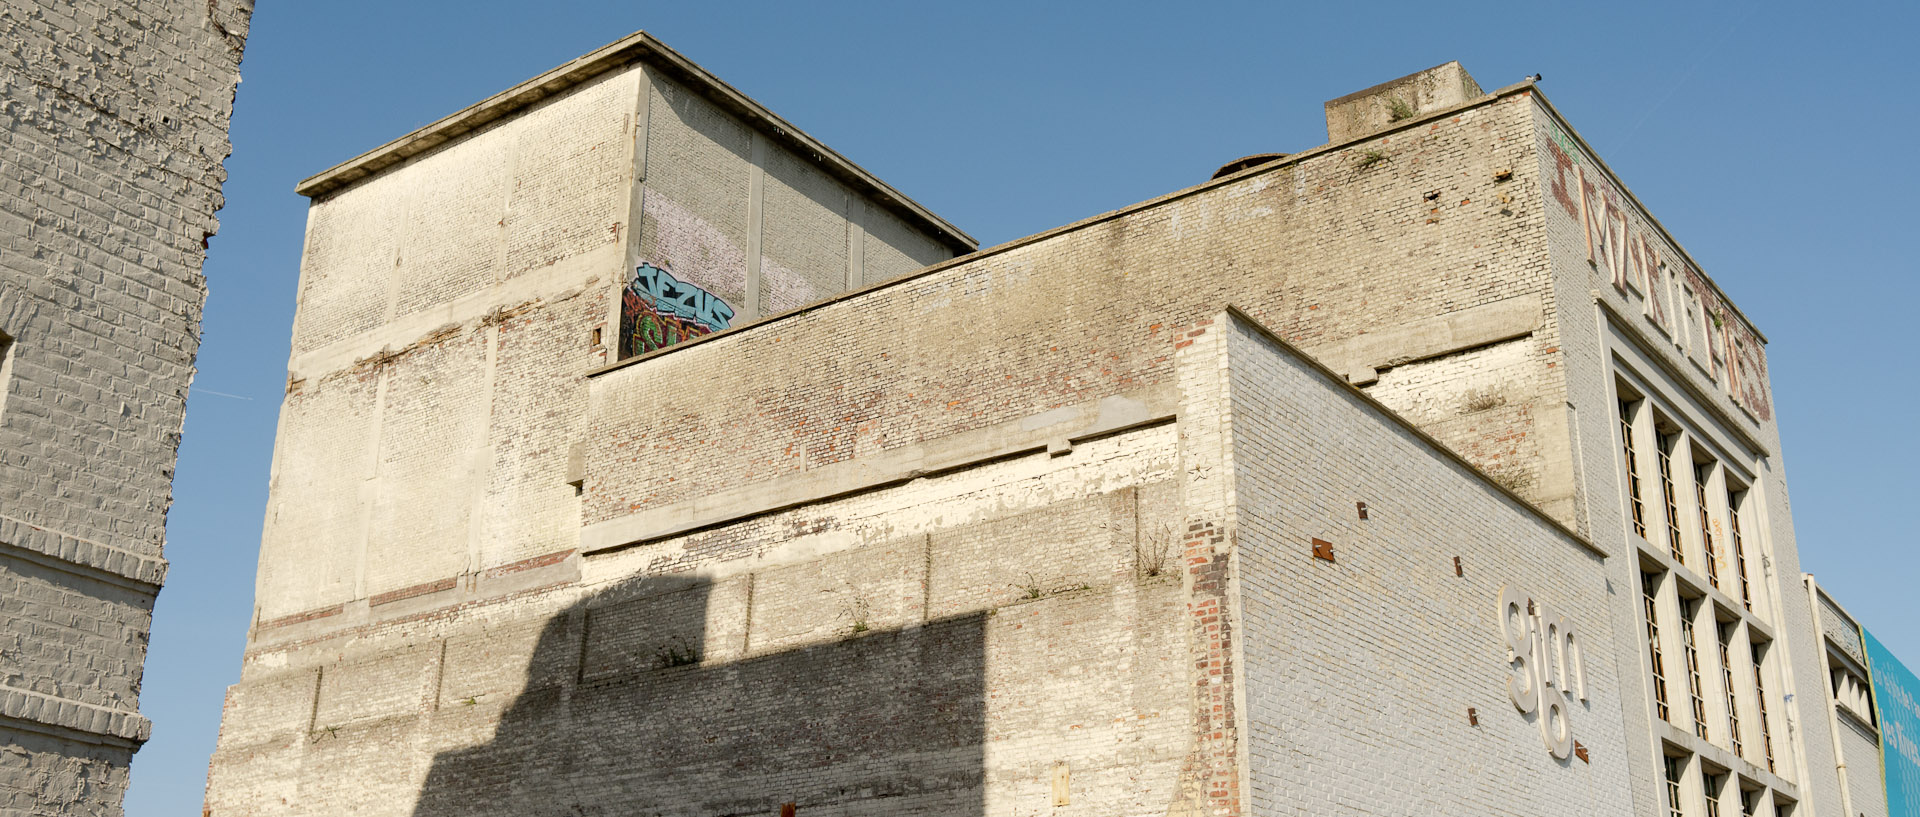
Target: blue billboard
[[1896, 696]]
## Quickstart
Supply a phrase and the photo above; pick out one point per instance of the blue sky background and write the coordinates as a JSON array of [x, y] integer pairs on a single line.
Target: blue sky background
[[1775, 142]]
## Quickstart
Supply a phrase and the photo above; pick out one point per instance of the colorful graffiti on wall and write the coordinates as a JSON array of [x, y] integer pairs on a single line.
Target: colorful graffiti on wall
[[1675, 296], [658, 310]]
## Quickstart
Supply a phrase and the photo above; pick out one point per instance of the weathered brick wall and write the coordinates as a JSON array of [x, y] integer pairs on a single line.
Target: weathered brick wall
[[442, 332], [1021, 344], [1049, 601], [114, 131], [716, 191], [1360, 671], [1323, 248], [446, 320]]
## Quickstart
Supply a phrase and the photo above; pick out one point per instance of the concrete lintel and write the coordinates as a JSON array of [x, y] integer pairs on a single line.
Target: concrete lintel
[[84, 557], [572, 276], [1039, 433], [518, 579], [98, 724], [1360, 358]]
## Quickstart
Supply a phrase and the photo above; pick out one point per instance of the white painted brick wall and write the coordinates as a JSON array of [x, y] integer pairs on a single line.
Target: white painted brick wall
[[1360, 671]]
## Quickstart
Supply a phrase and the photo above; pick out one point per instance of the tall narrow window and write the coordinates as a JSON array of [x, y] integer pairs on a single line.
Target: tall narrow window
[[1726, 678], [1673, 500], [1710, 784], [1750, 802], [1647, 582], [1674, 770], [1760, 694], [1700, 476], [1739, 548], [1633, 471], [1694, 686]]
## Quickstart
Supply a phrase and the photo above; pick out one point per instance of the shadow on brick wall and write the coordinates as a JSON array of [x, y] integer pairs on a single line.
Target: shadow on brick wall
[[623, 713]]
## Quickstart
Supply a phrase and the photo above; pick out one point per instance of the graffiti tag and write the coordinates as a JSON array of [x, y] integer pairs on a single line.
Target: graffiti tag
[[658, 310]]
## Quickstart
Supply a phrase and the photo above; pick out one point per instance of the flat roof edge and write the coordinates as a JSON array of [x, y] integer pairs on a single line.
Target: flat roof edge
[[636, 48]]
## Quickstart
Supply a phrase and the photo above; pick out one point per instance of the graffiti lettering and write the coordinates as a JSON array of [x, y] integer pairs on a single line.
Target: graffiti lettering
[[1625, 250], [1547, 666], [1653, 276], [1565, 179], [659, 310], [1605, 223]]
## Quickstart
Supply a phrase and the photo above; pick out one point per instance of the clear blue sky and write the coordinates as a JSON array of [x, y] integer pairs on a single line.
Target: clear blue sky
[[1773, 142]]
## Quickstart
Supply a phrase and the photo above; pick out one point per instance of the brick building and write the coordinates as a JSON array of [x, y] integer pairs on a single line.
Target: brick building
[[115, 128], [1871, 713], [642, 455]]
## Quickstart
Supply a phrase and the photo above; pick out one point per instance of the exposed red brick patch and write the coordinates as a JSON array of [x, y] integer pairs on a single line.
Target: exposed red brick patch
[[553, 558], [409, 592], [296, 618]]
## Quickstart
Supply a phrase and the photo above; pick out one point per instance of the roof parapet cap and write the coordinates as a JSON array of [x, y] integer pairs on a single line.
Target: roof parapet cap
[[636, 48]]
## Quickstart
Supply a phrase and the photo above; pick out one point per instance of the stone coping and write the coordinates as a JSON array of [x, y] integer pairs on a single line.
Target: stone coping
[[75, 551]]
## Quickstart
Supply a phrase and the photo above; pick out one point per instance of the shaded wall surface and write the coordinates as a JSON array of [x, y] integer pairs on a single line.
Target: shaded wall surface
[[886, 722], [112, 140], [944, 652]]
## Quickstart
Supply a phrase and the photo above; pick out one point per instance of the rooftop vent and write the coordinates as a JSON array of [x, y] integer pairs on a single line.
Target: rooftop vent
[[1245, 162]]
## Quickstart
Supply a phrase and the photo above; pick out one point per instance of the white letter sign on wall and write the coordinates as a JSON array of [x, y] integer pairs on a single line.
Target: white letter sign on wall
[[1546, 663]]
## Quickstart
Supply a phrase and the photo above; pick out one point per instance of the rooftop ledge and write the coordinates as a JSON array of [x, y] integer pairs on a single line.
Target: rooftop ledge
[[1524, 87], [639, 48]]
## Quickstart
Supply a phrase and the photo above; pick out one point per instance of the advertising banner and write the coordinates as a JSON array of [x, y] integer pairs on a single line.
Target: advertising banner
[[1896, 696]]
